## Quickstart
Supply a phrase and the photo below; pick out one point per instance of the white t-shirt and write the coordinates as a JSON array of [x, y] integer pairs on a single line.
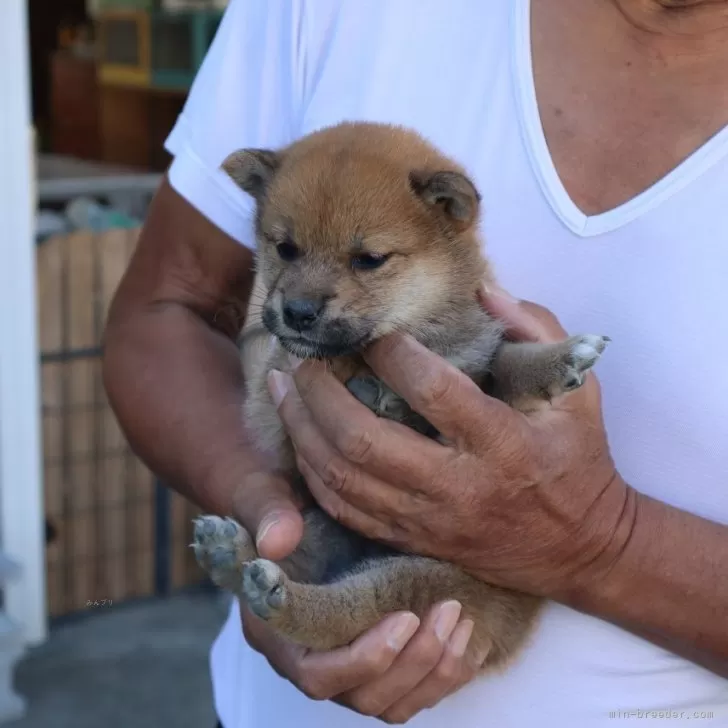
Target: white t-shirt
[[652, 274]]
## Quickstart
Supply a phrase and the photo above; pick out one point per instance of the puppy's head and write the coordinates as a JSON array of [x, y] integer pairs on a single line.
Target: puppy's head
[[362, 229]]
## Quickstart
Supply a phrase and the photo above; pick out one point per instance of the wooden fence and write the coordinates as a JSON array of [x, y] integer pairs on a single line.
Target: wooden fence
[[118, 535]]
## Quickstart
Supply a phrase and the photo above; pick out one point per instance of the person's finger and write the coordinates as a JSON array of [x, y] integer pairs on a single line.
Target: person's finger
[[414, 664], [349, 494], [324, 675], [444, 396], [334, 433], [265, 504], [452, 672], [380, 528], [471, 665], [524, 320]]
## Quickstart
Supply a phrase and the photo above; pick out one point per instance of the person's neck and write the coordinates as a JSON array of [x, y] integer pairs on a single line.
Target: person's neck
[[696, 20]]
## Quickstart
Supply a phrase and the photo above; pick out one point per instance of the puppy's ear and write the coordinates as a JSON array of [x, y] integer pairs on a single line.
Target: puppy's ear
[[452, 192], [252, 169]]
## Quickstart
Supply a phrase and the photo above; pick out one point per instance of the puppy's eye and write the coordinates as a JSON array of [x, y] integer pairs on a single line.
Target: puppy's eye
[[368, 261], [288, 251]]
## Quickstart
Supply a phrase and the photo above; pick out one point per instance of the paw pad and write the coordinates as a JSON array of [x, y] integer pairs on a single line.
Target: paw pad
[[263, 587], [220, 546], [368, 390]]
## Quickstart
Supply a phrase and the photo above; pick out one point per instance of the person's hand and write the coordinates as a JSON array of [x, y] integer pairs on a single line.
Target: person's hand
[[392, 672], [531, 502], [265, 504]]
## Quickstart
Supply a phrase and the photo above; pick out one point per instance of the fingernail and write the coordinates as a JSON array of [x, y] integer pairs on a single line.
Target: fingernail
[[402, 630], [461, 638], [278, 383], [447, 618], [265, 526]]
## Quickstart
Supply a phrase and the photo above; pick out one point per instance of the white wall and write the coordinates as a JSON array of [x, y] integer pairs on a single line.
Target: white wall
[[21, 495]]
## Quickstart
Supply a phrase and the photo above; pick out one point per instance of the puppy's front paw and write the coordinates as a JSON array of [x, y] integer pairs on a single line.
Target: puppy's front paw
[[221, 546], [368, 390], [582, 353], [381, 400], [264, 588]]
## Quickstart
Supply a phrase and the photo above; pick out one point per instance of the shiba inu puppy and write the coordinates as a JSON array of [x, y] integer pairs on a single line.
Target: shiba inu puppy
[[362, 230]]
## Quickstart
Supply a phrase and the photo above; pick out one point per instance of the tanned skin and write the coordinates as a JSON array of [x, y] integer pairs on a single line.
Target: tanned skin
[[171, 367]]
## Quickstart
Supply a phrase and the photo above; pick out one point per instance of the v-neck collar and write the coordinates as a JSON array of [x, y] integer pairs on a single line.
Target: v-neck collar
[[713, 150]]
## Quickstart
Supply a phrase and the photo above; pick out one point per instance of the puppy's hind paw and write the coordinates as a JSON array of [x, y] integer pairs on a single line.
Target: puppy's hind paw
[[264, 588]]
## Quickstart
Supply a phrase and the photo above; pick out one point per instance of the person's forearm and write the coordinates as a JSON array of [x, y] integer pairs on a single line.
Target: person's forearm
[[668, 584], [176, 387]]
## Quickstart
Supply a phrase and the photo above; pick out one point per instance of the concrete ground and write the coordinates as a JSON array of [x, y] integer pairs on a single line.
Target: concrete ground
[[144, 665]]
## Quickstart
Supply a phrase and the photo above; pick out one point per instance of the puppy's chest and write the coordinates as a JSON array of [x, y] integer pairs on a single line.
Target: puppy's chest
[[470, 345]]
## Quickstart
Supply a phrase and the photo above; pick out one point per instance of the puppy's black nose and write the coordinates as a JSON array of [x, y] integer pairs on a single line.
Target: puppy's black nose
[[301, 314]]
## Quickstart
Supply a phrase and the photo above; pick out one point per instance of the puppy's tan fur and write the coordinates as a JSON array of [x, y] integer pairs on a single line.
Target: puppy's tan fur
[[363, 230]]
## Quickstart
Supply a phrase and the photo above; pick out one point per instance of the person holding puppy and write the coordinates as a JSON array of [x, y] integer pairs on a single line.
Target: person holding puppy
[[597, 133]]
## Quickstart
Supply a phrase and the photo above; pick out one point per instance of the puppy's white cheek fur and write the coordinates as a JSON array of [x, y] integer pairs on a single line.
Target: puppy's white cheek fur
[[417, 290]]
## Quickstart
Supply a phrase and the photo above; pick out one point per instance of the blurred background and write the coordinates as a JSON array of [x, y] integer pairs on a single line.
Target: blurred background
[[106, 618]]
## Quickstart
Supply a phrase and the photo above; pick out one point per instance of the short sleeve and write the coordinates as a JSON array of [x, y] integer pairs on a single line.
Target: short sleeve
[[245, 95]]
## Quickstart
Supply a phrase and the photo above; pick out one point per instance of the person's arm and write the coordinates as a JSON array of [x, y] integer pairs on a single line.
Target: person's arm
[[171, 366], [172, 370], [668, 585]]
